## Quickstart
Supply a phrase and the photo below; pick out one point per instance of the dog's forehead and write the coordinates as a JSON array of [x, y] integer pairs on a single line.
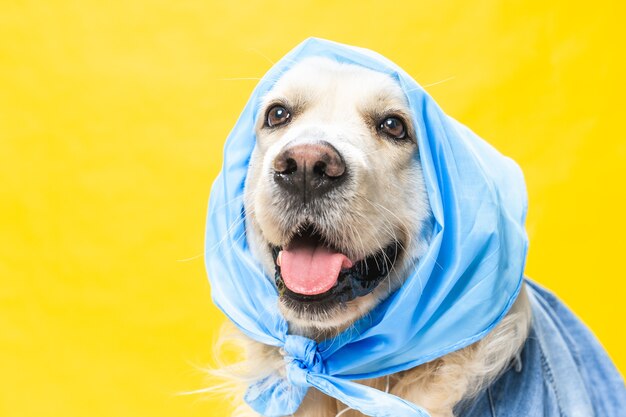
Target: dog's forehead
[[319, 80]]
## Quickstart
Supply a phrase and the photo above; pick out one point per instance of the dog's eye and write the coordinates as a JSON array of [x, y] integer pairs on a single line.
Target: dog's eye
[[393, 127], [277, 115]]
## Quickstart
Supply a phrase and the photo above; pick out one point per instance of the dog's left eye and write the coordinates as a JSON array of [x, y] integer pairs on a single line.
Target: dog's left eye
[[277, 115], [393, 127]]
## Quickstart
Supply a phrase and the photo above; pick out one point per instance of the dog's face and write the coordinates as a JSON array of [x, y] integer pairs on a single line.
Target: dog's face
[[336, 207]]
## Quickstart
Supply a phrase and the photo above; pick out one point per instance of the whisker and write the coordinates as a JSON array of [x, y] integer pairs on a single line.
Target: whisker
[[191, 258], [342, 412], [373, 152], [388, 227], [424, 87], [236, 240], [240, 196], [262, 55], [235, 224], [439, 82], [378, 243]]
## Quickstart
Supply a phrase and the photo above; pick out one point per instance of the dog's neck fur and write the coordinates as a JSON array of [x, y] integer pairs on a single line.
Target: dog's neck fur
[[437, 386], [441, 384]]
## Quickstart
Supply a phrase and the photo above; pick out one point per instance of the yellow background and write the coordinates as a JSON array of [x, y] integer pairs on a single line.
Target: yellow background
[[112, 119]]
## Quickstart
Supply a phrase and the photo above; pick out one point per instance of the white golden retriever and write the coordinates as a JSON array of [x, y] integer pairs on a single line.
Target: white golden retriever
[[335, 190]]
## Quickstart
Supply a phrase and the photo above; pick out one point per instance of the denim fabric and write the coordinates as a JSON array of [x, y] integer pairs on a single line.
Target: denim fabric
[[562, 371]]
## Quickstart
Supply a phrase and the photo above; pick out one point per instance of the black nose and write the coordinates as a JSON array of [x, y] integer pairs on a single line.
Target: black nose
[[309, 170]]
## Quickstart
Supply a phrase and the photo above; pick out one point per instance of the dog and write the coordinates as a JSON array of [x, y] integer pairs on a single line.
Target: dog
[[333, 184]]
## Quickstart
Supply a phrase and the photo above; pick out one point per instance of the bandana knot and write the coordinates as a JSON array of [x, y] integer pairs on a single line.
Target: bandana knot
[[274, 396], [302, 357]]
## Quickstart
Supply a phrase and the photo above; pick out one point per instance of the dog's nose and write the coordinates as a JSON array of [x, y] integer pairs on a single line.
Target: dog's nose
[[309, 170]]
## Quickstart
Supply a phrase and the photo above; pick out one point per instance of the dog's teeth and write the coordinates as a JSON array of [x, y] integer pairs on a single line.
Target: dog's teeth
[[280, 254]]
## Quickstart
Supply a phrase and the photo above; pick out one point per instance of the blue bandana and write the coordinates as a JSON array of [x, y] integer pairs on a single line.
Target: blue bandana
[[463, 286]]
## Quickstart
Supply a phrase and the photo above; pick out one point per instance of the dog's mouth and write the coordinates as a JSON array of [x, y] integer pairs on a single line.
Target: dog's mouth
[[310, 271]]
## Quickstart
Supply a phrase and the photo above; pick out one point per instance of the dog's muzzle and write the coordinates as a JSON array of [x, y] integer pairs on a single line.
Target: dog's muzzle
[[347, 281]]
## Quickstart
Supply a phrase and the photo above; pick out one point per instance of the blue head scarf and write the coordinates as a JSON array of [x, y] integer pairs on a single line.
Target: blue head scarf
[[462, 287]]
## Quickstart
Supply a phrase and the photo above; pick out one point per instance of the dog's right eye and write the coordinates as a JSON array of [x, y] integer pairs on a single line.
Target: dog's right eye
[[276, 116]]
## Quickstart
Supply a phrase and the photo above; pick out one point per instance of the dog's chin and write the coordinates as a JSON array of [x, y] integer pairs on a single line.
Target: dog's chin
[[323, 324], [330, 305]]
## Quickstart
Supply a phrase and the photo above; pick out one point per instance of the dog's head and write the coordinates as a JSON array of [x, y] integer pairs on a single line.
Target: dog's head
[[336, 207]]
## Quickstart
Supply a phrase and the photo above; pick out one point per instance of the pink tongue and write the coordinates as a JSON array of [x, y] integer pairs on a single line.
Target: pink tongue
[[311, 270]]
